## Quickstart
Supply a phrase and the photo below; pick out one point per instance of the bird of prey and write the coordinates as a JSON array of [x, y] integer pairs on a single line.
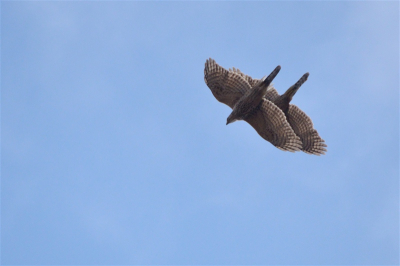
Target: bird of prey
[[298, 120], [249, 103]]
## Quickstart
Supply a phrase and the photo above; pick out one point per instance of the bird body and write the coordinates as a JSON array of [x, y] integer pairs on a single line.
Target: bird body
[[232, 89], [251, 99], [299, 121]]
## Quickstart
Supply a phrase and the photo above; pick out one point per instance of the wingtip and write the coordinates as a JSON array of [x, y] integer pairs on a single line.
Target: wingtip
[[209, 60]]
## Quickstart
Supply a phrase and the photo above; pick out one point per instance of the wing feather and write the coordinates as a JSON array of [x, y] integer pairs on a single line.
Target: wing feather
[[271, 95], [249, 79], [292, 132], [270, 123], [303, 127], [227, 86]]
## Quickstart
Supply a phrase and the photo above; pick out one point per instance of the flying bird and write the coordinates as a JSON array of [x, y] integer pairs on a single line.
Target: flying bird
[[248, 103], [301, 123]]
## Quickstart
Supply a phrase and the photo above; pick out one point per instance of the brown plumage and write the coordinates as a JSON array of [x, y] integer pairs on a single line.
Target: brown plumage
[[265, 117], [252, 98], [302, 125]]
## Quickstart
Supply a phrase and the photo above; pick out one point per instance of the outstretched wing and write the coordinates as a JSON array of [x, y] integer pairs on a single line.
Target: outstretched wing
[[270, 123], [249, 79], [227, 86], [271, 94], [303, 127]]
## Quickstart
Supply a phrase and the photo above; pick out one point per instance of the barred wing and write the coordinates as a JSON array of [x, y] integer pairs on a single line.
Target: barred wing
[[303, 127], [249, 79], [271, 95], [226, 86], [270, 123]]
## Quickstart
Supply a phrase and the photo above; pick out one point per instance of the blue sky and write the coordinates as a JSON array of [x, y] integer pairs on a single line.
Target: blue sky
[[114, 151]]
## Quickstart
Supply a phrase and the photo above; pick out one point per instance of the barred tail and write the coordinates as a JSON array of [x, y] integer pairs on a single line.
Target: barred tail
[[293, 89], [271, 76]]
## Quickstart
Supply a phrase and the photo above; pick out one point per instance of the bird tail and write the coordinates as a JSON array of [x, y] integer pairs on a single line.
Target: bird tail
[[293, 89], [271, 76]]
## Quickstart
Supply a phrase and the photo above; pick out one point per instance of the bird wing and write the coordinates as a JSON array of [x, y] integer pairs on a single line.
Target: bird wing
[[271, 94], [227, 86], [303, 127], [270, 123], [249, 79]]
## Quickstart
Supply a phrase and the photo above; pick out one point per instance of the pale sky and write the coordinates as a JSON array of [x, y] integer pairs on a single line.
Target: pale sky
[[114, 150]]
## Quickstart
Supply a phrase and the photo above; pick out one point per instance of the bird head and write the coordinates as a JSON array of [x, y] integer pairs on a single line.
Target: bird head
[[231, 118]]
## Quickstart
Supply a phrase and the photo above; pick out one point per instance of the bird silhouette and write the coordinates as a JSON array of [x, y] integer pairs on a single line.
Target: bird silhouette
[[301, 123], [249, 104]]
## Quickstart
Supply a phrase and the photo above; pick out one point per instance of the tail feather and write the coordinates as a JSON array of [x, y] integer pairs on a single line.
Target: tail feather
[[293, 89], [271, 76]]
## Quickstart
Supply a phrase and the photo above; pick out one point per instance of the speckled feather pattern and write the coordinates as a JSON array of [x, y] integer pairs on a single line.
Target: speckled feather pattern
[[267, 119], [226, 86], [271, 124], [301, 123], [303, 126]]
